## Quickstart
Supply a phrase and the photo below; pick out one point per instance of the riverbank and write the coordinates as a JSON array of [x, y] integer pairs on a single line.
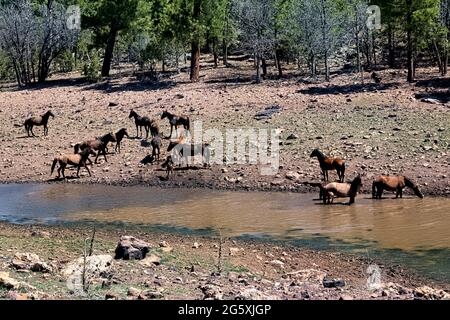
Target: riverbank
[[391, 128], [187, 267]]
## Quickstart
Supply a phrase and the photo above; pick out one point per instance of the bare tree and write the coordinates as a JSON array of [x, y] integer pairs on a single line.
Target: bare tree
[[33, 39], [257, 28]]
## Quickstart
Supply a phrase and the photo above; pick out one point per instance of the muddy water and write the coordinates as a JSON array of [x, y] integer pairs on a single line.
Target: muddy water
[[411, 231]]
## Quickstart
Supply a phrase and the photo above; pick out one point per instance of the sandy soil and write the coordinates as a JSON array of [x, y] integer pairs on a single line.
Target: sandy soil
[[187, 269], [379, 129]]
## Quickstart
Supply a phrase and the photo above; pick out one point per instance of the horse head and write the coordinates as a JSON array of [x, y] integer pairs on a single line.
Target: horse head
[[315, 153], [164, 115], [132, 114], [49, 114], [409, 183]]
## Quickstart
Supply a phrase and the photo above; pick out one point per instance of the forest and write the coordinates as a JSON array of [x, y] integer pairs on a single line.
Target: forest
[[318, 37]]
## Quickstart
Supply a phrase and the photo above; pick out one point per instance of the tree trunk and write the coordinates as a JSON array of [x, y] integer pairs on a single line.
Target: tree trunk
[[258, 68], [216, 56], [391, 47], [195, 45], [264, 67], [409, 18], [278, 62], [107, 59], [327, 68], [195, 61]]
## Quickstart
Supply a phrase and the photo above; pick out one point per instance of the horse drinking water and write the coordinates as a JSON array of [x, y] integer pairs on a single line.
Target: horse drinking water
[[341, 190], [395, 184]]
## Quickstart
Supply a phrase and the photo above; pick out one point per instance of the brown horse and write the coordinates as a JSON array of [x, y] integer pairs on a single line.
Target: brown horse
[[37, 121], [327, 163], [119, 135], [395, 184], [100, 145], [340, 190], [176, 121], [144, 122], [78, 160]]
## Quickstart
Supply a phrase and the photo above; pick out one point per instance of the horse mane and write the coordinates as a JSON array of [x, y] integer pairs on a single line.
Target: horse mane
[[320, 153], [355, 186]]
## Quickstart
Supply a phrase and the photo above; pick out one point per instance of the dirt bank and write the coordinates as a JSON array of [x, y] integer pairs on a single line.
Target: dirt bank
[[186, 267], [378, 129]]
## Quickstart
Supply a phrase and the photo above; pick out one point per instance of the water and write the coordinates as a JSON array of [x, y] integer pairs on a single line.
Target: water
[[410, 231]]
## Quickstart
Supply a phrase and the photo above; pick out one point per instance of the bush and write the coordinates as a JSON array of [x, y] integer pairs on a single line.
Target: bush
[[91, 68], [66, 61]]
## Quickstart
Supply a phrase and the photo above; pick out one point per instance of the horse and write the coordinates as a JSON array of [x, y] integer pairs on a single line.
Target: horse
[[395, 184], [78, 160], [119, 135], [340, 190], [36, 121], [144, 122], [327, 163], [181, 149], [168, 165], [99, 144], [156, 146], [176, 121]]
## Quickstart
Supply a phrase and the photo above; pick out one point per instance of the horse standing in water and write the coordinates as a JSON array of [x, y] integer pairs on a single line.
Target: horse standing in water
[[37, 121], [328, 163], [341, 190], [395, 184]]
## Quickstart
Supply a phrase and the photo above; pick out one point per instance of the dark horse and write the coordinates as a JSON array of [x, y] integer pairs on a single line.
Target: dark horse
[[144, 122], [183, 150], [176, 121], [99, 144], [395, 184], [36, 121], [119, 135], [327, 163]]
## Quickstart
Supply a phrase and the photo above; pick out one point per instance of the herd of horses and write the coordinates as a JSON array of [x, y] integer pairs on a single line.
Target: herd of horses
[[182, 150]]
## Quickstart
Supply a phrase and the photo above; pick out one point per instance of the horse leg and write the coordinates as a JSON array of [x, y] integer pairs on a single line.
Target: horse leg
[[45, 130], [31, 129], [147, 129], [87, 170], [63, 168], [104, 155]]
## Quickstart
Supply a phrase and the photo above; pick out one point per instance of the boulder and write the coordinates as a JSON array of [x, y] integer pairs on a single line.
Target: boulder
[[427, 293], [29, 261], [95, 265], [291, 175], [130, 248], [211, 292], [7, 282], [254, 294]]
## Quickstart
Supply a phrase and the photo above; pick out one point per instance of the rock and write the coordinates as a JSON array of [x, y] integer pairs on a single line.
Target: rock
[[113, 104], [133, 292], [292, 137], [427, 293], [277, 263], [153, 259], [167, 249], [7, 282], [111, 296], [254, 294], [95, 266], [345, 297], [211, 292], [196, 245], [29, 261], [333, 283], [291, 175], [163, 244], [40, 234], [431, 101], [234, 251], [150, 294], [130, 248], [13, 295], [278, 182], [310, 275]]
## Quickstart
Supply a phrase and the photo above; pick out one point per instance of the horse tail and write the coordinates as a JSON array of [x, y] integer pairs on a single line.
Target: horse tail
[[188, 124], [55, 161], [19, 125], [343, 171]]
